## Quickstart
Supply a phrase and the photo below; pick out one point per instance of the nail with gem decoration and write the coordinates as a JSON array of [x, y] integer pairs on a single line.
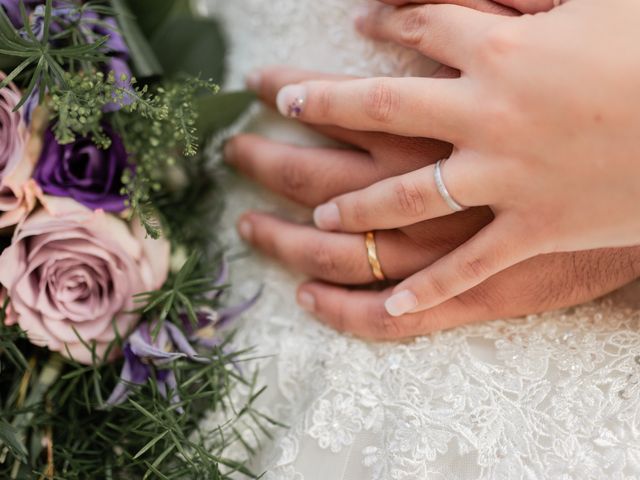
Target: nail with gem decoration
[[291, 100]]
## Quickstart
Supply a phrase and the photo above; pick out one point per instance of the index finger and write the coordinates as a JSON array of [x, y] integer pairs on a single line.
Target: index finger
[[268, 81], [480, 5], [415, 107]]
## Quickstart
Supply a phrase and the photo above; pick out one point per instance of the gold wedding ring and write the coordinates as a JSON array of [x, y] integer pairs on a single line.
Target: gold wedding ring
[[372, 256]]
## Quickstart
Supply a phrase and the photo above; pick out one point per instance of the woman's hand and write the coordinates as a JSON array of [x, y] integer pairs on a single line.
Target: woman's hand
[[310, 176], [496, 6], [545, 123]]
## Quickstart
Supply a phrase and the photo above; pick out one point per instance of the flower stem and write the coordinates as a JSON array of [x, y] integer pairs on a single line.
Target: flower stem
[[47, 377]]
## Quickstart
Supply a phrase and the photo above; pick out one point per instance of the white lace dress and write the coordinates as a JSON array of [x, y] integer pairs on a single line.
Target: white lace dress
[[553, 396]]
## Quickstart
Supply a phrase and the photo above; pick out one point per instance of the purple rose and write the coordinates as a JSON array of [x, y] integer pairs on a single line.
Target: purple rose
[[84, 172]]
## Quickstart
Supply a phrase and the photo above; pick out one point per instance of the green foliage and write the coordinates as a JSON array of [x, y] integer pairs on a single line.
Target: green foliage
[[145, 437], [151, 14], [190, 46], [186, 292], [145, 62], [42, 66], [53, 420], [190, 206], [159, 143], [219, 112], [158, 126]]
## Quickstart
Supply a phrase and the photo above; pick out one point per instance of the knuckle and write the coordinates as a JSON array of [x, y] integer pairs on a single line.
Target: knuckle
[[380, 101], [410, 198], [474, 267], [439, 287], [499, 42], [413, 26], [292, 178], [324, 102], [323, 261], [502, 118]]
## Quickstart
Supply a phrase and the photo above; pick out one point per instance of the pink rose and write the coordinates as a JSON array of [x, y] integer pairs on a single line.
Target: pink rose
[[18, 157], [72, 268]]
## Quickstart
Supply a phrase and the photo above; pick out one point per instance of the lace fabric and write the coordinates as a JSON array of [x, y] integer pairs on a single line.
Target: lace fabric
[[548, 396]]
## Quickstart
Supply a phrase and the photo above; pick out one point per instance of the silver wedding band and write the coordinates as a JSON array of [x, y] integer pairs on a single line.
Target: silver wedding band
[[442, 188]]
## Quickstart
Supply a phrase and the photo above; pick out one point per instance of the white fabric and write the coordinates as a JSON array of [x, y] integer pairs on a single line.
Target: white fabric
[[551, 396]]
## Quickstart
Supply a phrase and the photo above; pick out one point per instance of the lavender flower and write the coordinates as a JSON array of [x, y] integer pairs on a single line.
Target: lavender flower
[[209, 322], [145, 355]]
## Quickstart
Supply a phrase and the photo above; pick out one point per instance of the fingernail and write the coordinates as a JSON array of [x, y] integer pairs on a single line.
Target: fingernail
[[229, 151], [307, 301], [360, 15], [245, 228], [253, 80], [327, 217], [291, 100], [401, 303]]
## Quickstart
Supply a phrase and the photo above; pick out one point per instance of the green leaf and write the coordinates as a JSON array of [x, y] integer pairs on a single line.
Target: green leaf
[[143, 57], [16, 71], [186, 45], [220, 111], [150, 444], [151, 14], [9, 437]]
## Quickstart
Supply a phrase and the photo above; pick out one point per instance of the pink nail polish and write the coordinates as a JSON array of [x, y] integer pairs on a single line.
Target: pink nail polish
[[327, 217], [401, 303], [291, 100]]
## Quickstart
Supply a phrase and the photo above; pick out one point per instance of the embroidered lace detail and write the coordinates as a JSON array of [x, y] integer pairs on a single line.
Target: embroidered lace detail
[[318, 35], [550, 396]]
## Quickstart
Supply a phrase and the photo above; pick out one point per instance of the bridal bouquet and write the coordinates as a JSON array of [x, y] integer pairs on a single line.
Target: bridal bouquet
[[110, 289]]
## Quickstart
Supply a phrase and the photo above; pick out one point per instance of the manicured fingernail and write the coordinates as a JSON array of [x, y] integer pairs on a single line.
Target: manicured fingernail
[[253, 80], [245, 228], [307, 301], [401, 303], [360, 15], [327, 217], [291, 100], [228, 153]]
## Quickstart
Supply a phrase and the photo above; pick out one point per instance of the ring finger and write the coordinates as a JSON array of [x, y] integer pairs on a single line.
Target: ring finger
[[406, 199], [335, 257]]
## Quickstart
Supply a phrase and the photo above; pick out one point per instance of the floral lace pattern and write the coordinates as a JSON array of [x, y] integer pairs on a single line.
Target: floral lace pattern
[[549, 396]]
